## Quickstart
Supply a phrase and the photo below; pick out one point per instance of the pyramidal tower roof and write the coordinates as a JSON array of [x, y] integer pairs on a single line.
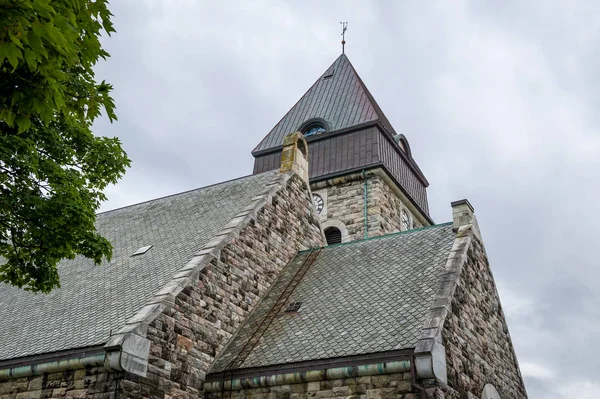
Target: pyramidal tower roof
[[339, 98]]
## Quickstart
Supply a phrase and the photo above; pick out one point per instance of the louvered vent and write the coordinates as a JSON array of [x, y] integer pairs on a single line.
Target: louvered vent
[[293, 307], [329, 73], [333, 235]]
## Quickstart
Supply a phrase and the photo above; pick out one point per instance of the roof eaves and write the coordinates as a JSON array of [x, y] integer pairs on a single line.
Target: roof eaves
[[51, 357], [318, 137], [309, 365]]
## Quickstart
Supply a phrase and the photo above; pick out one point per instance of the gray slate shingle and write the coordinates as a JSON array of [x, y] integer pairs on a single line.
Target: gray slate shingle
[[363, 297], [95, 300]]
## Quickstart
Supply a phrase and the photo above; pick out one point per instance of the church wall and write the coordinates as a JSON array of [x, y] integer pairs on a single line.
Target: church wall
[[388, 386], [345, 203], [187, 337], [478, 346]]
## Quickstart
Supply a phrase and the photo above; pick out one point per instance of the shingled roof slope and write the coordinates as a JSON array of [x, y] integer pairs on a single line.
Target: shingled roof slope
[[339, 97], [363, 297], [94, 301]]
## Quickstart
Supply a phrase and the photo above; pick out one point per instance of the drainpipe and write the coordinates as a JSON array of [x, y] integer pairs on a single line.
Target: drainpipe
[[366, 197]]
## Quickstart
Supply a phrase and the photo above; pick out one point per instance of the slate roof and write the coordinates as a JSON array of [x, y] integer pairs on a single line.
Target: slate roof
[[95, 300], [342, 100], [357, 298]]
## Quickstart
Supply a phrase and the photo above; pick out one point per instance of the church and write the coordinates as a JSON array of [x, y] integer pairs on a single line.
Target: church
[[319, 275]]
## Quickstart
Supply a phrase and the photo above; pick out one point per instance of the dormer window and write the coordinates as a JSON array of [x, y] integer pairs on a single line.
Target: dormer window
[[314, 126], [314, 129]]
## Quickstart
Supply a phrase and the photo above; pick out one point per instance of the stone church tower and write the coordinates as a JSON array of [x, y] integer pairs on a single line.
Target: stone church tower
[[363, 177]]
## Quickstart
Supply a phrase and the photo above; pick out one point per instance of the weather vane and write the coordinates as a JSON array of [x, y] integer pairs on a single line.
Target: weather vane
[[344, 27]]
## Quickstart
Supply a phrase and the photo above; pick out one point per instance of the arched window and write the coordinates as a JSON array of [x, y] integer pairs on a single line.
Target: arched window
[[335, 231], [404, 220], [333, 235], [314, 126], [400, 139], [314, 129]]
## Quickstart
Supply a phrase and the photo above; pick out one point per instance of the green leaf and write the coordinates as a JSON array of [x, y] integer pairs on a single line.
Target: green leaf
[[30, 59], [15, 39], [13, 54], [36, 43], [23, 124]]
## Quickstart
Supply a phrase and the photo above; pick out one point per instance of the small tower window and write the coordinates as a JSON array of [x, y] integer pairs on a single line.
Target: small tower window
[[405, 220], [313, 129], [314, 126], [333, 235]]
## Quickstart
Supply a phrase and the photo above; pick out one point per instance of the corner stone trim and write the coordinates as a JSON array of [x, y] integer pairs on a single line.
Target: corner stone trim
[[430, 354], [129, 349]]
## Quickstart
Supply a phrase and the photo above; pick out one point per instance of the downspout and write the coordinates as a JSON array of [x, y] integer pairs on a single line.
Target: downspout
[[366, 198]]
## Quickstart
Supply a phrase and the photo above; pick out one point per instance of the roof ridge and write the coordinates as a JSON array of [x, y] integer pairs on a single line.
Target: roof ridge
[[378, 237], [181, 193]]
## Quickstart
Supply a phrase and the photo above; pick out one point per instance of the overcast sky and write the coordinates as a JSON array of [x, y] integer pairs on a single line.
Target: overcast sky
[[497, 100]]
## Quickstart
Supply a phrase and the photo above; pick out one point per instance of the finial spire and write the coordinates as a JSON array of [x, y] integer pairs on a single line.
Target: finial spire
[[344, 27]]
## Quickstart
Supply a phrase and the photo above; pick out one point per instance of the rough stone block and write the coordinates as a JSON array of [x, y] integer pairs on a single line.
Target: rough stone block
[[36, 383], [313, 386], [374, 393]]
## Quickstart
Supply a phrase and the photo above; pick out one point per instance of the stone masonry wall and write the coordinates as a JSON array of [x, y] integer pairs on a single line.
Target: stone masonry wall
[[186, 338], [388, 208], [478, 346], [389, 386], [345, 203], [93, 383]]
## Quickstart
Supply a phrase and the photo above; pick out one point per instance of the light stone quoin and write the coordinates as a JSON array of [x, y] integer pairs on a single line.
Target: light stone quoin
[[294, 157]]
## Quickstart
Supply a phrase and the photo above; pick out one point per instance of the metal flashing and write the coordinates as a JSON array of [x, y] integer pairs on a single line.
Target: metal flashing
[[142, 250]]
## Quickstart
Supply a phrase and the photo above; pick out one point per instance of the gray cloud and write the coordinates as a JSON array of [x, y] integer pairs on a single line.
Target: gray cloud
[[496, 98]]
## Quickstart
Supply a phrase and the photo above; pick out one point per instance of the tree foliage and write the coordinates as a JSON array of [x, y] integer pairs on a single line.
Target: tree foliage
[[52, 168]]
